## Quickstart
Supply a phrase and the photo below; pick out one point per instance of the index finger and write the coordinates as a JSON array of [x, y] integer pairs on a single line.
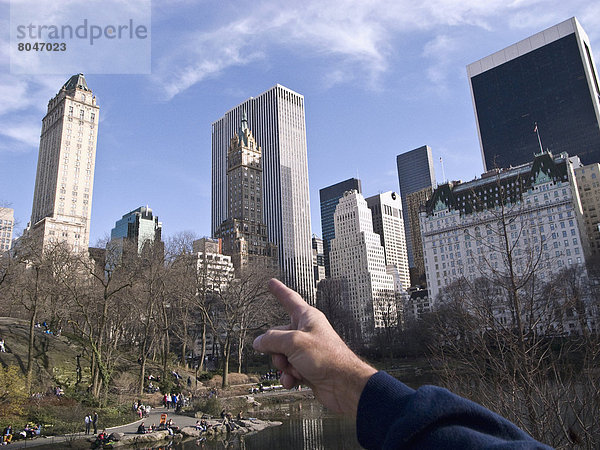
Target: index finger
[[288, 298]]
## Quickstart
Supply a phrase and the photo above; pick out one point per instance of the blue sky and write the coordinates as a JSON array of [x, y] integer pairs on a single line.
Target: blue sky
[[379, 78]]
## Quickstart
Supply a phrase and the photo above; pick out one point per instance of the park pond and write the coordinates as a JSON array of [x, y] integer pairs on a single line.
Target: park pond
[[305, 425]]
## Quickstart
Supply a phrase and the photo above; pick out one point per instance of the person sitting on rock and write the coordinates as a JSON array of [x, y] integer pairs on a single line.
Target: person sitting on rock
[[102, 437], [141, 429], [7, 435], [201, 425], [171, 426]]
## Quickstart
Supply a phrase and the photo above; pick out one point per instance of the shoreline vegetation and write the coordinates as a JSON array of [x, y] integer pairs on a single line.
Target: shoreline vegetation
[[216, 427]]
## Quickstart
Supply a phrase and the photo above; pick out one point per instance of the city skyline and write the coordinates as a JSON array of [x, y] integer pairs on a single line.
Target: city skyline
[[155, 125]]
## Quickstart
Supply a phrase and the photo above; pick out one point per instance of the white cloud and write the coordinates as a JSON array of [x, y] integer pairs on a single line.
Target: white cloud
[[25, 133], [442, 51], [358, 34]]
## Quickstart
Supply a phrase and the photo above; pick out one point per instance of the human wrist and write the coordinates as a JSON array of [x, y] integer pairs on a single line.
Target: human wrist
[[356, 377]]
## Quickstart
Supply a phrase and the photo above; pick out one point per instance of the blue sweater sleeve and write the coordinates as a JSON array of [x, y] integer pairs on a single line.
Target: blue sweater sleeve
[[393, 416]]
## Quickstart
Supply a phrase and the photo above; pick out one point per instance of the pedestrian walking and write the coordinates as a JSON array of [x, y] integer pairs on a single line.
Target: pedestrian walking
[[95, 422]]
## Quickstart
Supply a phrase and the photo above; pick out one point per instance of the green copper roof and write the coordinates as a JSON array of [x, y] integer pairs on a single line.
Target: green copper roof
[[76, 82]]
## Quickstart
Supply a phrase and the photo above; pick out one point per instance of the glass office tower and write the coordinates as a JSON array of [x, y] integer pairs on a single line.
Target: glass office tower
[[415, 172], [548, 79]]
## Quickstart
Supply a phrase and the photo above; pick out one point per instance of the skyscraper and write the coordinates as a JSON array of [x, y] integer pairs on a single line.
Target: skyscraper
[[386, 211], [140, 227], [244, 233], [7, 224], [358, 257], [62, 199], [588, 184], [414, 202], [415, 172], [548, 79], [329, 197], [318, 260], [276, 118]]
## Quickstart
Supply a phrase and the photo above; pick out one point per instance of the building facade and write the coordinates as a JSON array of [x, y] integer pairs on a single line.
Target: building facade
[[549, 80], [318, 259], [244, 233], [358, 257], [139, 227], [7, 224], [415, 172], [215, 272], [531, 213], [214, 267], [588, 184], [62, 199], [276, 118], [329, 198], [414, 202], [388, 223], [417, 304]]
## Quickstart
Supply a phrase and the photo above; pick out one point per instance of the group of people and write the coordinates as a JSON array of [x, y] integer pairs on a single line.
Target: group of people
[[175, 401], [271, 375], [141, 410], [47, 329], [91, 420], [31, 430], [102, 438], [227, 420], [143, 429]]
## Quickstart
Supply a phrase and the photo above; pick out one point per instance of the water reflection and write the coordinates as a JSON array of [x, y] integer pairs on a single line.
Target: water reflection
[[305, 434], [306, 426]]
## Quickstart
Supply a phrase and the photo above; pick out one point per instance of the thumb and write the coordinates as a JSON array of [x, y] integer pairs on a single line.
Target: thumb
[[277, 341]]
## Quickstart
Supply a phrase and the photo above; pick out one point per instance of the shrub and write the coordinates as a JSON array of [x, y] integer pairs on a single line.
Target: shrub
[[211, 406], [204, 376], [13, 393]]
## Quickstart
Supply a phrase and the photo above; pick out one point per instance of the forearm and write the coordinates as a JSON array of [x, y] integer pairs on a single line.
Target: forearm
[[392, 415]]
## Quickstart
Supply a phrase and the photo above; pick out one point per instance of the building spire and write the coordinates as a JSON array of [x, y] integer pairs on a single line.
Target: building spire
[[244, 120], [242, 136]]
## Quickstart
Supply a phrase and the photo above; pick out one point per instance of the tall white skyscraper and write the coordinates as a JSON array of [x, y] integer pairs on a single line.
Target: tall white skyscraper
[[386, 209], [276, 118], [358, 256], [62, 200], [7, 224]]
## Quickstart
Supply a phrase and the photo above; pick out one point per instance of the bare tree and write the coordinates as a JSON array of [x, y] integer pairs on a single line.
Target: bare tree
[[95, 295], [332, 301], [242, 307], [500, 336]]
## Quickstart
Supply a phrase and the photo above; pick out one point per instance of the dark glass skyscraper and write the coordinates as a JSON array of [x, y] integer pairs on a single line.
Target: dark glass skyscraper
[[329, 198], [548, 79], [415, 172]]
